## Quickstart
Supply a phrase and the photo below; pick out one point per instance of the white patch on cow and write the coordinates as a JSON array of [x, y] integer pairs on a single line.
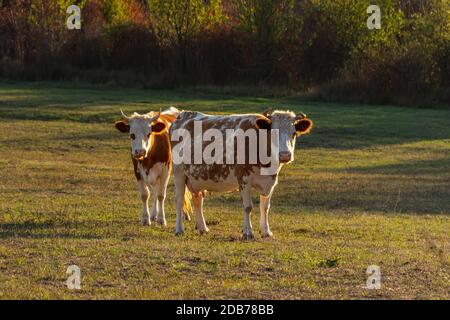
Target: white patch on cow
[[145, 195], [264, 206], [153, 174], [263, 183], [284, 122], [201, 177], [140, 131], [155, 180]]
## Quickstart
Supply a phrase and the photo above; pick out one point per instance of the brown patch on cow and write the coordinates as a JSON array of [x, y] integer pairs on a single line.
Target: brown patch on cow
[[159, 152], [160, 198], [303, 126], [122, 126], [136, 170], [263, 123], [158, 127], [218, 172], [168, 118]]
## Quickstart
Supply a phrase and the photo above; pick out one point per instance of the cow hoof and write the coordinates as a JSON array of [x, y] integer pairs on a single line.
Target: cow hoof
[[179, 232], [247, 236], [161, 222], [145, 220], [153, 218], [203, 231], [187, 217], [268, 234]]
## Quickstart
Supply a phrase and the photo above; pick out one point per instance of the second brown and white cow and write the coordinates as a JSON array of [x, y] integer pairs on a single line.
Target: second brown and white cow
[[152, 159], [225, 172]]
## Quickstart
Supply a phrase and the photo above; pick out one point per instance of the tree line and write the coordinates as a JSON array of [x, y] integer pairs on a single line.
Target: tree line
[[319, 47]]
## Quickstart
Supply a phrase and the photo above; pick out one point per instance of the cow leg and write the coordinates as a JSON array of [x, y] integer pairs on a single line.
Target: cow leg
[[264, 206], [197, 201], [180, 189], [145, 194], [247, 229], [161, 188], [154, 205]]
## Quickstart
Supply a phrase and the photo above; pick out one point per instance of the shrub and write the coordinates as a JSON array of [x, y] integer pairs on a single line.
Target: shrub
[[319, 45]]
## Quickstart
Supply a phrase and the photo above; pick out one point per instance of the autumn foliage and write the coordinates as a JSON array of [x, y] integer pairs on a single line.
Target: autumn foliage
[[322, 47]]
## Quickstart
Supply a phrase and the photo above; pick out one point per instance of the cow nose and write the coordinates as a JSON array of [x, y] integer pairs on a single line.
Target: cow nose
[[285, 156], [139, 153]]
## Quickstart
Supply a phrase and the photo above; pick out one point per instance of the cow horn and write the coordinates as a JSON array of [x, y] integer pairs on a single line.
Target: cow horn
[[124, 115], [301, 116], [266, 113]]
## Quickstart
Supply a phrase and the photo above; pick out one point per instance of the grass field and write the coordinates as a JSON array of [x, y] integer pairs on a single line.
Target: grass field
[[369, 186]]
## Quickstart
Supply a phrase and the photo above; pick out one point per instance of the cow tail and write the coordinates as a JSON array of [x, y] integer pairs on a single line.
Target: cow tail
[[187, 207]]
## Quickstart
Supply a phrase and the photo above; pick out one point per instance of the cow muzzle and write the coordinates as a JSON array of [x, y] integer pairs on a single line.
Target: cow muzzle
[[139, 154], [285, 156]]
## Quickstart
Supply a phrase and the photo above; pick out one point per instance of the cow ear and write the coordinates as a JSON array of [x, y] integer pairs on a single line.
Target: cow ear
[[263, 123], [122, 126], [266, 113], [303, 126], [158, 127]]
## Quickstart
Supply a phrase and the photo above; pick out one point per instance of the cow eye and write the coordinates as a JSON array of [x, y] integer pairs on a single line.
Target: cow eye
[[132, 136]]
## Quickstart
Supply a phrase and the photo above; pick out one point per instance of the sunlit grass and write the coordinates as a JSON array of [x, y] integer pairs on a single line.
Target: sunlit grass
[[370, 185]]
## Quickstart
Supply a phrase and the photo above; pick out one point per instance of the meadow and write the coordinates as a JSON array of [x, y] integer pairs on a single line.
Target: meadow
[[369, 186]]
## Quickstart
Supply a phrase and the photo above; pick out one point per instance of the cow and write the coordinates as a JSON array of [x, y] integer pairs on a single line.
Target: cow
[[221, 175], [151, 157]]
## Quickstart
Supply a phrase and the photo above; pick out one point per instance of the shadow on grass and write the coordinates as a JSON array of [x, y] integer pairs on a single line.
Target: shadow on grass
[[46, 115], [324, 135], [435, 166], [66, 142], [26, 225], [411, 199], [357, 137], [46, 229], [336, 126], [52, 235]]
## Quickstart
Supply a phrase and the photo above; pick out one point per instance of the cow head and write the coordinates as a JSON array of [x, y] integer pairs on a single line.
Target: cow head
[[140, 128], [290, 126]]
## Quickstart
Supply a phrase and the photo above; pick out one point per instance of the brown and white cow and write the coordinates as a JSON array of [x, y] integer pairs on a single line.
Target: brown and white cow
[[152, 161], [223, 174]]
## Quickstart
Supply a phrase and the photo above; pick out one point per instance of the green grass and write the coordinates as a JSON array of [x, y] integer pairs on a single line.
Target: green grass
[[370, 185]]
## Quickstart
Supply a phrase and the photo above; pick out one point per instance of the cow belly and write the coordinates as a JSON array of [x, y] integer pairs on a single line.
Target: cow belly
[[223, 185]]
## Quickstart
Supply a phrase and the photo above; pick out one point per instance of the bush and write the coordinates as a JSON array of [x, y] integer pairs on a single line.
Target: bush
[[320, 46]]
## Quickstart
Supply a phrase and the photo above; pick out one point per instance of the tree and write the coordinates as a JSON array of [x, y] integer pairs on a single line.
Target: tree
[[178, 22], [266, 22]]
